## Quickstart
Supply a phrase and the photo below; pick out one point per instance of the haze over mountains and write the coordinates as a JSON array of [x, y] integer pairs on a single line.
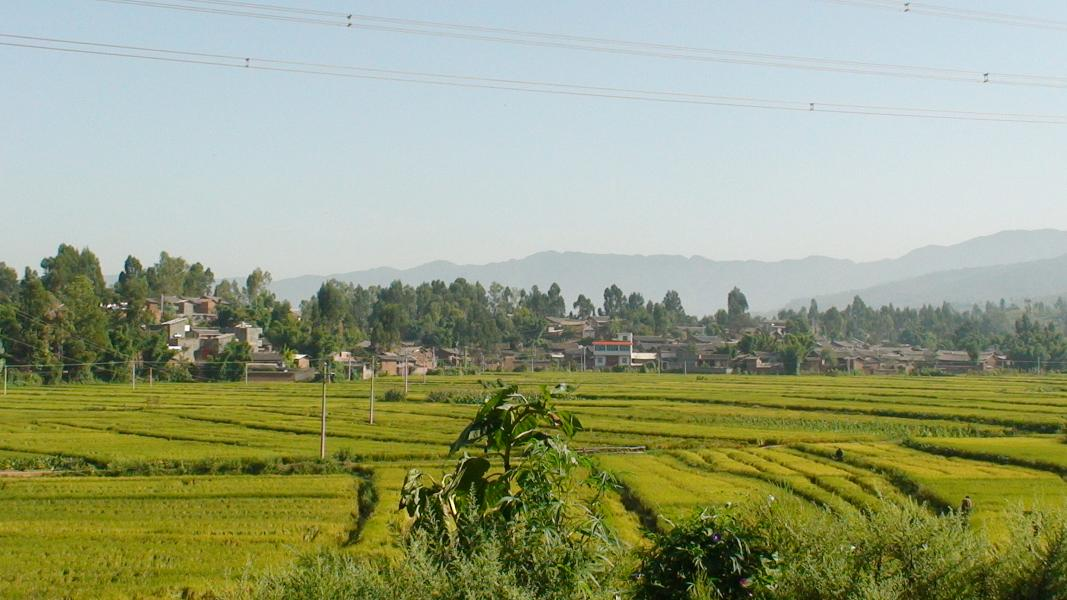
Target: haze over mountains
[[1009, 264]]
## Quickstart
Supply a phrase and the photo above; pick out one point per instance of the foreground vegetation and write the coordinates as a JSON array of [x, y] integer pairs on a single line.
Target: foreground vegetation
[[205, 488]]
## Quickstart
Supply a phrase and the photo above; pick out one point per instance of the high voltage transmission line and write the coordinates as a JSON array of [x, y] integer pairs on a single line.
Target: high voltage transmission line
[[540, 87], [277, 12], [937, 10]]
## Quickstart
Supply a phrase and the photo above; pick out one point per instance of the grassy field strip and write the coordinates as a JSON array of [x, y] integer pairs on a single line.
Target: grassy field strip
[[664, 487], [829, 477], [715, 414], [965, 402], [801, 485], [946, 480], [1024, 420], [1047, 453], [160, 534], [412, 431], [872, 484], [175, 428], [104, 447]]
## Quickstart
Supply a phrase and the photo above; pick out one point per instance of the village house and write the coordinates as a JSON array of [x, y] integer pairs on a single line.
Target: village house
[[759, 363], [450, 357], [696, 359], [173, 328], [397, 365], [249, 334], [620, 352], [560, 327], [956, 362], [608, 354], [202, 310]]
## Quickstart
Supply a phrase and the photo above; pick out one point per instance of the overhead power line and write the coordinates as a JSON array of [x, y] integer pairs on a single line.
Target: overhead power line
[[540, 87], [277, 12], [937, 10]]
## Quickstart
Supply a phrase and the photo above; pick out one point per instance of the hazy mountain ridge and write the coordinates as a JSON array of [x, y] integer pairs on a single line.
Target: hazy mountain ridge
[[703, 283], [1036, 280]]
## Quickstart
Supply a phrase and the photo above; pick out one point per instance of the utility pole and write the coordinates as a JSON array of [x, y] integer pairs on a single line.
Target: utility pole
[[322, 434], [373, 373], [133, 374], [149, 376], [405, 374], [246, 373]]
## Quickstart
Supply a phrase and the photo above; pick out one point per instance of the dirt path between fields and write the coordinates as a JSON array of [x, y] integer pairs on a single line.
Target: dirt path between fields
[[24, 474]]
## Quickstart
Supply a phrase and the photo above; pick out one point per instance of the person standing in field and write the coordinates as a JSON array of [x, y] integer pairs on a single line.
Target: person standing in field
[[839, 455], [967, 505]]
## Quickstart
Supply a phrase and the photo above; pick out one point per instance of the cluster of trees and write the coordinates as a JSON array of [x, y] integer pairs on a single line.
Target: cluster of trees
[[1030, 335], [636, 314], [69, 323], [66, 323], [461, 314]]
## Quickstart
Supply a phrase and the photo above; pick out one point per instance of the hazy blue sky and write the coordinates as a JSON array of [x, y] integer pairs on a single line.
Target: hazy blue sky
[[305, 174]]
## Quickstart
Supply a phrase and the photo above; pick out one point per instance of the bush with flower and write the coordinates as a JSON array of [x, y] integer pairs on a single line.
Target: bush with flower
[[712, 555]]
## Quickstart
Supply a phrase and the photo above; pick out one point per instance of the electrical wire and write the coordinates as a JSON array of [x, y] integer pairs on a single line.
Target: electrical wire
[[594, 44], [541, 87], [936, 10]]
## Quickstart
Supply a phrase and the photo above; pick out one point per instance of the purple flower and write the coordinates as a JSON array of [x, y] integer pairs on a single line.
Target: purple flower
[[715, 538], [745, 582]]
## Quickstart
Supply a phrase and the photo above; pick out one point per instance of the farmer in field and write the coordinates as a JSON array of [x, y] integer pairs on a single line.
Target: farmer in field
[[967, 505], [839, 455]]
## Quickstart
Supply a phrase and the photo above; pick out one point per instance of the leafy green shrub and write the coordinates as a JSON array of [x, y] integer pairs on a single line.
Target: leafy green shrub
[[538, 509], [1034, 562], [439, 396], [711, 555], [176, 373], [482, 575], [65, 464], [898, 551], [394, 395], [455, 397], [17, 378]]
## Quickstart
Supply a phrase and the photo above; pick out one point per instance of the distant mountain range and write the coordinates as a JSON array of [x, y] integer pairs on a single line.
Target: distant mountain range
[[1009, 264], [1036, 280]]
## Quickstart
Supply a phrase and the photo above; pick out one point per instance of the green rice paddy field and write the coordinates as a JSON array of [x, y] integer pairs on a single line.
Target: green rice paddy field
[[179, 501]]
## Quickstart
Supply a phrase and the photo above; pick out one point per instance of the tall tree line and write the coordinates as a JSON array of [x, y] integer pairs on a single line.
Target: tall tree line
[[66, 321]]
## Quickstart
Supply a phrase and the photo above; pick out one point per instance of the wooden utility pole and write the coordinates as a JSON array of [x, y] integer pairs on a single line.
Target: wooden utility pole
[[149, 376], [373, 373], [322, 434]]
